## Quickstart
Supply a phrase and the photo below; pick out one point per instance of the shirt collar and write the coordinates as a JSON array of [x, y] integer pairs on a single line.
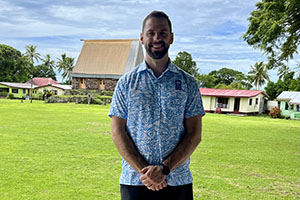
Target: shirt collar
[[171, 67]]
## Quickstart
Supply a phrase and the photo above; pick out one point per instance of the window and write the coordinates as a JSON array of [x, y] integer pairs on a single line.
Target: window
[[250, 102], [256, 101], [24, 91], [286, 106], [222, 102], [16, 91], [54, 91], [101, 85], [6, 90], [82, 83], [297, 108]]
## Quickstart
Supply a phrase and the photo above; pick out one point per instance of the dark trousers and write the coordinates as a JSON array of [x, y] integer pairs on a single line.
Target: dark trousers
[[183, 192]]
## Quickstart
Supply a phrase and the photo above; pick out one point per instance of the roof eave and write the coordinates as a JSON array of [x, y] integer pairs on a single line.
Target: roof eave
[[110, 76]]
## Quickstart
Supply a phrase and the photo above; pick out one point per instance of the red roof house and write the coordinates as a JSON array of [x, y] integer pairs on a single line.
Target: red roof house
[[233, 101], [42, 81]]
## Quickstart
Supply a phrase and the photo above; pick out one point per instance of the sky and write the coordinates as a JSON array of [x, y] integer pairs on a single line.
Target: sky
[[209, 30]]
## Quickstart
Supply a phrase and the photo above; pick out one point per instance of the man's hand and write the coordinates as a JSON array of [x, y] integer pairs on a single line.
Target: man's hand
[[153, 178]]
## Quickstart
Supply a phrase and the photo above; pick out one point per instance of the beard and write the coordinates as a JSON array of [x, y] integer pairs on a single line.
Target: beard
[[157, 54]]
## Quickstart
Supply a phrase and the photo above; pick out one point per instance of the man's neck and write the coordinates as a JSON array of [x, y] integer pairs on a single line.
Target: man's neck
[[158, 66]]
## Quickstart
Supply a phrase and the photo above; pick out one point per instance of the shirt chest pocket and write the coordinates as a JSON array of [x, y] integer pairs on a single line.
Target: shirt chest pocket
[[174, 104]]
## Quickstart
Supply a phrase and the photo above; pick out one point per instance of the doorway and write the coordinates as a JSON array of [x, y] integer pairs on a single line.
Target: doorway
[[237, 105]]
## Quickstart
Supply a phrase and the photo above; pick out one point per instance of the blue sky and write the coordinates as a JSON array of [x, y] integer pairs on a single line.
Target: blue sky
[[210, 30]]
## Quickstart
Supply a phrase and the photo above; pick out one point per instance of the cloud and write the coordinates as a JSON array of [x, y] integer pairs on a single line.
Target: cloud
[[209, 30]]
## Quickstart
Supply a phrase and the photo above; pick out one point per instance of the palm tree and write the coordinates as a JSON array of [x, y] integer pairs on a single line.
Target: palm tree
[[259, 74], [297, 70], [65, 64], [284, 70], [50, 64], [31, 54]]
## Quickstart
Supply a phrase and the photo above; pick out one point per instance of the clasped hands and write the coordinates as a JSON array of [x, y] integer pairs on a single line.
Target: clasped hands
[[153, 178]]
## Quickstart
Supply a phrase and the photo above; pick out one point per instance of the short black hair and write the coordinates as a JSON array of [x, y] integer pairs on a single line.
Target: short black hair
[[157, 14]]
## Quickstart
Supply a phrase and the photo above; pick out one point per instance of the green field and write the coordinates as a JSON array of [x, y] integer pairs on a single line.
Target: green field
[[64, 151]]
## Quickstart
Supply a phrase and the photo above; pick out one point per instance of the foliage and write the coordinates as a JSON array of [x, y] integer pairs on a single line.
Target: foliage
[[12, 65], [218, 110], [86, 92], [185, 61], [10, 96], [275, 112], [66, 64], [229, 78], [288, 83], [48, 93], [259, 74], [16, 67], [240, 157], [275, 29], [94, 99], [3, 94], [47, 62], [206, 81], [43, 71], [232, 86], [32, 54], [271, 90]]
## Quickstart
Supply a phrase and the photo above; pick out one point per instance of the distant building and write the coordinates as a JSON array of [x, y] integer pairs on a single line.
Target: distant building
[[234, 101], [19, 90], [39, 81], [290, 104], [102, 62], [23, 90]]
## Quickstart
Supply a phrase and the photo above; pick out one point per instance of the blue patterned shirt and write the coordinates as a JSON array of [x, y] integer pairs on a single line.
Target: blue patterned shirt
[[154, 110]]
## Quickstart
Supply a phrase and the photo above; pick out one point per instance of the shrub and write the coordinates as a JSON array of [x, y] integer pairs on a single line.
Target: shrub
[[3, 94], [218, 110], [275, 112], [10, 96]]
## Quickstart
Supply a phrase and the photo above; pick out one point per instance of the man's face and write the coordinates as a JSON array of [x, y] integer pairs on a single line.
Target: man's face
[[156, 37]]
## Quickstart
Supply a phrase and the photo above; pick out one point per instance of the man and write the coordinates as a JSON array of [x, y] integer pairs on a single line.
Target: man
[[156, 120]]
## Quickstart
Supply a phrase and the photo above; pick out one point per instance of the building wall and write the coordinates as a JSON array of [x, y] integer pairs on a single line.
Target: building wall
[[255, 107], [272, 104], [93, 84], [292, 111], [19, 92], [209, 103], [206, 100], [51, 88]]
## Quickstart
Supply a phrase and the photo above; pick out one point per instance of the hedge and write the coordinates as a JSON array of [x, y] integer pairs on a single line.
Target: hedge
[[95, 99]]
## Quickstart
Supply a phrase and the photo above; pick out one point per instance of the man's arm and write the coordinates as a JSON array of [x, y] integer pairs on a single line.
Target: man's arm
[[188, 144], [125, 145]]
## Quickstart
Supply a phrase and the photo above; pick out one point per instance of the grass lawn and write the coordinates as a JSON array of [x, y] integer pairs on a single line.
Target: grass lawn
[[64, 151]]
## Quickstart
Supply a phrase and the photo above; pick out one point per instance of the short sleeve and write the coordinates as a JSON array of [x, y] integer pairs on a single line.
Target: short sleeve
[[118, 105], [194, 105]]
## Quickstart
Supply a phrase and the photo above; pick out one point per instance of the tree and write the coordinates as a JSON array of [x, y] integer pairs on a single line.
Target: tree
[[185, 61], [284, 70], [271, 90], [227, 76], [297, 69], [47, 62], [287, 83], [275, 29], [31, 54], [66, 64], [206, 81], [12, 65], [43, 71], [259, 74]]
